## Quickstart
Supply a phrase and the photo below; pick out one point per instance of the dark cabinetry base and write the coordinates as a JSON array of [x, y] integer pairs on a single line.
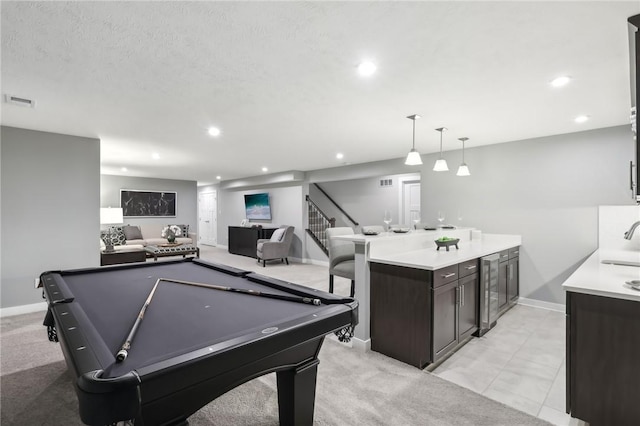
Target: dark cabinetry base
[[603, 350], [244, 241]]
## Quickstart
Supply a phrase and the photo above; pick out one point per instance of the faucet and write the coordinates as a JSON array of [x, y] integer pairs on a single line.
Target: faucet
[[629, 233]]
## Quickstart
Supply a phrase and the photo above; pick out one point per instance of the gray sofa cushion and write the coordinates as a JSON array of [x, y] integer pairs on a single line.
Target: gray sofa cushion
[[132, 232]]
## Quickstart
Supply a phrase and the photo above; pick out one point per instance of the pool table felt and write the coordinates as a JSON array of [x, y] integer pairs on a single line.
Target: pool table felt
[[180, 318]]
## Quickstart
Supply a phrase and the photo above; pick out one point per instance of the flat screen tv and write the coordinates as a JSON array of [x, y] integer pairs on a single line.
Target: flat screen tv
[[257, 206]]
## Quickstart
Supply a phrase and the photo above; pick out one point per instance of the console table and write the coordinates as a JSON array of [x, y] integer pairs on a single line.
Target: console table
[[243, 241], [122, 256]]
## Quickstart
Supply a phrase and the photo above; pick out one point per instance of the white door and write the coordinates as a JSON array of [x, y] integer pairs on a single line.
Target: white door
[[411, 202], [207, 218]]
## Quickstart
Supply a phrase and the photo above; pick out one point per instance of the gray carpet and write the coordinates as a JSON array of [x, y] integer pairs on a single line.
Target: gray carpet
[[354, 388]]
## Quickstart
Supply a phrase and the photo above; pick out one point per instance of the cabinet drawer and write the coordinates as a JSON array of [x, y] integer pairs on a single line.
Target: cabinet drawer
[[514, 252], [467, 268], [445, 275], [504, 255]]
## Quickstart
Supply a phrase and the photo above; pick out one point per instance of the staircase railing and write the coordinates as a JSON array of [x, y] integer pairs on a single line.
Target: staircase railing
[[336, 204], [317, 225]]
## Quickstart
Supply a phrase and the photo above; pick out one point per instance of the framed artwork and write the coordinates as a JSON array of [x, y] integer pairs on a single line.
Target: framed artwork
[[137, 203]]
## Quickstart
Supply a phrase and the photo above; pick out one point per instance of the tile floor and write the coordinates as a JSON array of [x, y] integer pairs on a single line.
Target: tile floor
[[520, 362]]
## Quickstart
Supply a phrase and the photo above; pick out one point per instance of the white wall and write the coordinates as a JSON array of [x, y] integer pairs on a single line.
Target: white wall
[[50, 191]]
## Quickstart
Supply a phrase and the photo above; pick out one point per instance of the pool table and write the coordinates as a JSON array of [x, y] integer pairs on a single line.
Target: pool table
[[193, 344]]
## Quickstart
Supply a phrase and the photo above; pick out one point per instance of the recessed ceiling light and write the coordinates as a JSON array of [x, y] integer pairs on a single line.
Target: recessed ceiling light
[[124, 169], [264, 169], [214, 131], [366, 69], [581, 118], [560, 81], [155, 156], [339, 156], [218, 177]]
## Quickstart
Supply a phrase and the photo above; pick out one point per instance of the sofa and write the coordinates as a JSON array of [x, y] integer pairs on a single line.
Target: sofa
[[128, 237]]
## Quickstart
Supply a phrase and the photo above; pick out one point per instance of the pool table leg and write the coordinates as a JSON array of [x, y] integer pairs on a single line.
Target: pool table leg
[[297, 394]]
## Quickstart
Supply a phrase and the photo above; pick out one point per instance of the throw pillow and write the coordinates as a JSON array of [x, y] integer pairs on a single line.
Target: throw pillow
[[132, 232], [278, 235], [117, 236]]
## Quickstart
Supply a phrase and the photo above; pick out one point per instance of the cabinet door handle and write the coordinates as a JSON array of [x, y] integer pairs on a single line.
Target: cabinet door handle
[[516, 252], [462, 296], [470, 267], [631, 176], [452, 274], [457, 295]]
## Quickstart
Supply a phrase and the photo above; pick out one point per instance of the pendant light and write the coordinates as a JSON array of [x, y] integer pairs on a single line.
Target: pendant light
[[413, 158], [441, 164], [463, 170]]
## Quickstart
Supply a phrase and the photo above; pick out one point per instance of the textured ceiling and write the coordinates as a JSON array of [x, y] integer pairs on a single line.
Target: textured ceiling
[[279, 78]]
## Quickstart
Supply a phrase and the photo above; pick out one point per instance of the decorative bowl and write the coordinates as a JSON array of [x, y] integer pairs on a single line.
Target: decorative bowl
[[447, 243], [400, 230]]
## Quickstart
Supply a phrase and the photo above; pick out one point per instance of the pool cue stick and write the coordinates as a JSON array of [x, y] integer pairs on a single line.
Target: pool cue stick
[[123, 352], [307, 300]]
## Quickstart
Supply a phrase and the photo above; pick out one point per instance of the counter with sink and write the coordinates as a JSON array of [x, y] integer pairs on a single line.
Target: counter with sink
[[603, 338], [605, 273]]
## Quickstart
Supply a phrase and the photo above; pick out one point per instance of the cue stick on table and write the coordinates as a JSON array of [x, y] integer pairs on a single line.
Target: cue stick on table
[[307, 300], [122, 353]]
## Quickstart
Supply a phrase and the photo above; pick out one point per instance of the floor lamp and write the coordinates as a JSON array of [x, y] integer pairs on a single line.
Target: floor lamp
[[110, 216]]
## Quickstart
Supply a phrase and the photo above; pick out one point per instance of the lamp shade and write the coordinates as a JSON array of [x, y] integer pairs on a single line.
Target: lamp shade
[[111, 216], [440, 166], [413, 158], [463, 170]]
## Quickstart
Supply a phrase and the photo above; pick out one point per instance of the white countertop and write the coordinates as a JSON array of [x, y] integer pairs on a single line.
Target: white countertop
[[431, 259], [598, 279]]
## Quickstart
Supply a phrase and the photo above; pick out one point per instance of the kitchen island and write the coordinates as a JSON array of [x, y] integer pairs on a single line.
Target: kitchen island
[[603, 339], [414, 252]]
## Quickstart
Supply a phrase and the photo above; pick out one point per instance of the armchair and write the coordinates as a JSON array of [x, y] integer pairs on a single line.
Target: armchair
[[341, 257], [277, 247]]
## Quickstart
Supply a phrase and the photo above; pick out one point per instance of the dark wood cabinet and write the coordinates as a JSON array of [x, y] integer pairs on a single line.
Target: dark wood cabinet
[[401, 313], [419, 316], [243, 241], [468, 314], [503, 285], [508, 279], [602, 359], [445, 319]]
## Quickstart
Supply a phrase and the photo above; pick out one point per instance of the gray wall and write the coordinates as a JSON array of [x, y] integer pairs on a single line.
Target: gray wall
[[287, 207], [187, 206], [50, 192], [548, 190], [363, 199]]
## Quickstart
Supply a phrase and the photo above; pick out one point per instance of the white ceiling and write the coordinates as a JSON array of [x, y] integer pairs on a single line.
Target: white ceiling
[[279, 78]]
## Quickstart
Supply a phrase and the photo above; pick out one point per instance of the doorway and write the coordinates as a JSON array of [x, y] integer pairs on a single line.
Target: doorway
[[207, 218], [410, 203]]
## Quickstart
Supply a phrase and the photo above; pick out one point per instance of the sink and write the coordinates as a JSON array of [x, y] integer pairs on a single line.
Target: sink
[[621, 263]]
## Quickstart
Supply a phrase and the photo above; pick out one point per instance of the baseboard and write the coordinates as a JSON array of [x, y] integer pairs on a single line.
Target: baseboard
[[558, 307], [312, 261], [23, 309]]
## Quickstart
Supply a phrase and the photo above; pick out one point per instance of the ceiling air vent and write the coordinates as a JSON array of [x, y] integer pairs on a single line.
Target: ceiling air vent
[[17, 100], [386, 182]]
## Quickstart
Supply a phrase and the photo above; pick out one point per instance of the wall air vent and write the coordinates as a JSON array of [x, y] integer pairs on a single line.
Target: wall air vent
[[20, 101], [386, 182]]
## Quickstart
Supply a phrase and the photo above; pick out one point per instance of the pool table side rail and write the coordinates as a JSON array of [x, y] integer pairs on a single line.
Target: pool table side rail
[[193, 378]]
